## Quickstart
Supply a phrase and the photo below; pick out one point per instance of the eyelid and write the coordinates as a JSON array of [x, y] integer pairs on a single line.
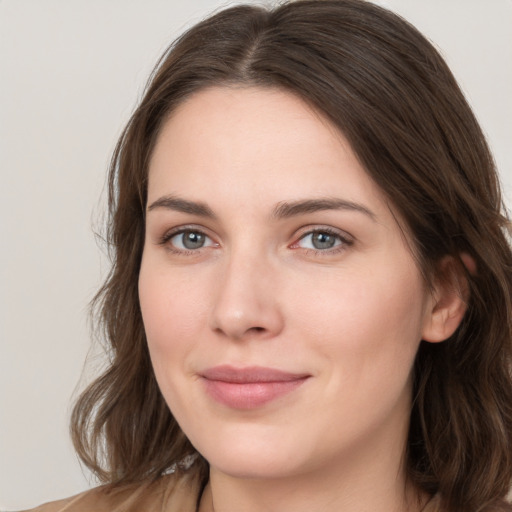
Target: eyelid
[[177, 230], [346, 240]]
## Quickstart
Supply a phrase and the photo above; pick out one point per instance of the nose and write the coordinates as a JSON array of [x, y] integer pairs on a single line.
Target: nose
[[247, 302]]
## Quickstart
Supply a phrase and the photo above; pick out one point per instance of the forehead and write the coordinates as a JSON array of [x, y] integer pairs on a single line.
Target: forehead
[[250, 139]]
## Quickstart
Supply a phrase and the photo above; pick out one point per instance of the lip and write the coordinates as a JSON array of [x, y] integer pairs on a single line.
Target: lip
[[249, 387]]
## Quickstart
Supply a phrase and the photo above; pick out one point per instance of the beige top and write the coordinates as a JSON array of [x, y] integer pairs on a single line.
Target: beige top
[[170, 493]]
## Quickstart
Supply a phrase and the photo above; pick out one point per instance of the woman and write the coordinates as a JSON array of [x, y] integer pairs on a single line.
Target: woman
[[309, 307]]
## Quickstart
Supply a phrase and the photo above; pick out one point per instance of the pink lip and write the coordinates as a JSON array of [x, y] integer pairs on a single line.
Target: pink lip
[[250, 387]]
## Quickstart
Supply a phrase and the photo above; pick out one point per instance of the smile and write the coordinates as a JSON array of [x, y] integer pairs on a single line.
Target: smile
[[249, 388]]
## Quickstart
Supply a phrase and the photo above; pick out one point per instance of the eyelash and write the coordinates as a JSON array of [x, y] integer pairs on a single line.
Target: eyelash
[[344, 241], [169, 235]]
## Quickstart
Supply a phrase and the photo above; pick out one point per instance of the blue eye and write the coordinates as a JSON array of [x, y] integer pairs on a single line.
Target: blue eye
[[190, 240], [321, 240]]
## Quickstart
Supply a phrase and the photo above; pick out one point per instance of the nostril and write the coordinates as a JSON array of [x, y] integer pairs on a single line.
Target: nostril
[[240, 314], [253, 330]]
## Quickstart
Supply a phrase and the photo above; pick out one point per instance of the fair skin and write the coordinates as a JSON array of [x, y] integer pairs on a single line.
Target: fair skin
[[268, 245]]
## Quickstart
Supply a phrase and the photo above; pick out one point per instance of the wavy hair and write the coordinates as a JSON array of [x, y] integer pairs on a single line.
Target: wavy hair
[[393, 97]]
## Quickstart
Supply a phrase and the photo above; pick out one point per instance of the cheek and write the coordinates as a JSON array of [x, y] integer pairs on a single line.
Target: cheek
[[365, 333], [172, 311], [170, 306], [370, 322]]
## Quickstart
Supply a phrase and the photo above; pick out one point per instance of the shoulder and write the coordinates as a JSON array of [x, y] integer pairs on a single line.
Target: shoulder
[[177, 492]]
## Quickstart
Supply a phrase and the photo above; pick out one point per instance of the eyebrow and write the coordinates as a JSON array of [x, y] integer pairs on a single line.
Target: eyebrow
[[282, 210], [291, 209], [183, 206]]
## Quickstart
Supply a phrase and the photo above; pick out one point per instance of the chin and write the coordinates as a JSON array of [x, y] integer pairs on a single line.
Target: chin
[[251, 468], [251, 457]]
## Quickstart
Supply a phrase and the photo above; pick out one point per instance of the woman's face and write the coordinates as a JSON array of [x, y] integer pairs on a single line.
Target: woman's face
[[282, 306]]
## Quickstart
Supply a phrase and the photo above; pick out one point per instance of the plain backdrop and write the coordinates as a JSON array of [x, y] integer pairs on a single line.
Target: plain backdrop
[[71, 72]]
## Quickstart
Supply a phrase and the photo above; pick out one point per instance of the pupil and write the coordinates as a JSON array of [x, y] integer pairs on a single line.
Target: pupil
[[323, 241], [193, 240]]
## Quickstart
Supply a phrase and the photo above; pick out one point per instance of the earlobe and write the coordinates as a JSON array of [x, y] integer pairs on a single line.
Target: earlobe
[[448, 302]]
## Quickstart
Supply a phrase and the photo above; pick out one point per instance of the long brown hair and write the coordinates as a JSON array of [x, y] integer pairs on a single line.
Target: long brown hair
[[394, 98]]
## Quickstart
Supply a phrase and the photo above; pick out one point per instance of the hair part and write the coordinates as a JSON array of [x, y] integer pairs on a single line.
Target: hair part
[[393, 97]]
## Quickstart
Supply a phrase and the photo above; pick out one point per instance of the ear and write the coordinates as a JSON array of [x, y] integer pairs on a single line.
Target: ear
[[448, 302]]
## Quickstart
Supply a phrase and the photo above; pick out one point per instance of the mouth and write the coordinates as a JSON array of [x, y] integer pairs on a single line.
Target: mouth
[[250, 387]]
